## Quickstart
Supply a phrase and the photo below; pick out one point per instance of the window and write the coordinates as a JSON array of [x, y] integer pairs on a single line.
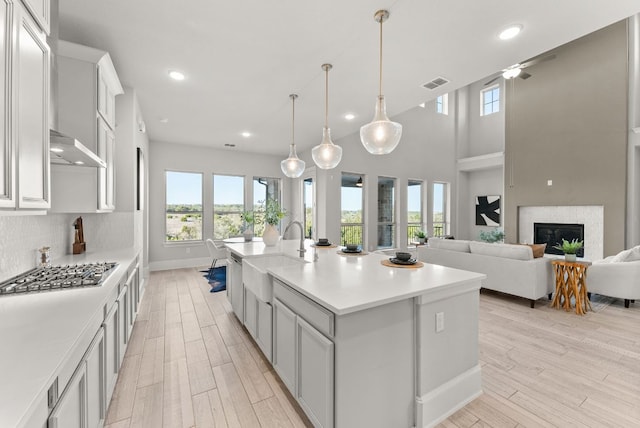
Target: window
[[414, 209], [442, 104], [386, 212], [440, 209], [228, 204], [490, 100], [264, 188], [307, 207], [183, 206], [352, 209]]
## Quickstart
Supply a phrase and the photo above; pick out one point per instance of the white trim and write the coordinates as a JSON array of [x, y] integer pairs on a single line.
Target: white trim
[[184, 263], [440, 403]]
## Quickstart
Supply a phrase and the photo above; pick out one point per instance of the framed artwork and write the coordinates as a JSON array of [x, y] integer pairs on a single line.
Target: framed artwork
[[487, 210], [139, 179]]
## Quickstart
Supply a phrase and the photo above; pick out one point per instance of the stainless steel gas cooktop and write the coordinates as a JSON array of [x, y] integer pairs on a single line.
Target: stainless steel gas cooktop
[[58, 278]]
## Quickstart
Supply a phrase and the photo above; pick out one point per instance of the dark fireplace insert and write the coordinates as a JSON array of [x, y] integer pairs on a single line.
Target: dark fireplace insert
[[553, 234]]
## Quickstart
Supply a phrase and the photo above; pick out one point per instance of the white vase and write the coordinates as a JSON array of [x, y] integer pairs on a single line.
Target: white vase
[[248, 235], [270, 236], [570, 257]]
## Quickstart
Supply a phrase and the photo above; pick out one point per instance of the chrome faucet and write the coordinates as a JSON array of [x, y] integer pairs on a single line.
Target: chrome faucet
[[301, 250]]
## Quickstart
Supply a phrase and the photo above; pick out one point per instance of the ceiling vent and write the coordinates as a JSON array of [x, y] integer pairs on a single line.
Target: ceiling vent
[[435, 83]]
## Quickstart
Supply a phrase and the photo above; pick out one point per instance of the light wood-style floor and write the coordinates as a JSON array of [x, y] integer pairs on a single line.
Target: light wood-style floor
[[191, 364]]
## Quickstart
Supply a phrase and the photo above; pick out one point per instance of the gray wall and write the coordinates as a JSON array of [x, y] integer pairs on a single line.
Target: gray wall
[[568, 123]]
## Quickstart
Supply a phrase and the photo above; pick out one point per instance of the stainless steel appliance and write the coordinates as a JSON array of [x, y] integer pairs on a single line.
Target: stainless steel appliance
[[58, 278]]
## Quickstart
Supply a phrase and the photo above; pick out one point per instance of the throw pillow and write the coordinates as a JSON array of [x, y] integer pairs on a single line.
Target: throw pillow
[[629, 255], [538, 249]]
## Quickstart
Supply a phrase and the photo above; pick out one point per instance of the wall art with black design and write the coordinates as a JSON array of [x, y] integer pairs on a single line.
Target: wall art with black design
[[487, 210]]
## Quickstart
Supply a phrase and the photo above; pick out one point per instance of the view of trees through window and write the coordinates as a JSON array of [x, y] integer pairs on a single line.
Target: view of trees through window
[[307, 201], [440, 197], [183, 206], [264, 188], [352, 209], [228, 205], [414, 209]]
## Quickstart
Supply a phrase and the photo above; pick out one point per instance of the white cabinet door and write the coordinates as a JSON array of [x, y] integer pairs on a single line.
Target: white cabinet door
[[237, 289], [31, 80], [106, 99], [284, 344], [7, 149], [315, 374], [133, 286], [112, 353], [41, 11], [96, 403], [106, 176], [264, 329], [70, 409], [250, 312], [123, 322]]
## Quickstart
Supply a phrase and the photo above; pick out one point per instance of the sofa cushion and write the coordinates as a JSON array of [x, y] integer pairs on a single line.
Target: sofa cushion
[[450, 244], [629, 255], [507, 251]]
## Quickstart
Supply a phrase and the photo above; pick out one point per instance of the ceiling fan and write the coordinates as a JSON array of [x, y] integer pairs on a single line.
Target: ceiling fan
[[517, 70]]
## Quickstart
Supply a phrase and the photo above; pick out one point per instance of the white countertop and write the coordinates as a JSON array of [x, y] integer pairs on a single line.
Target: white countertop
[[349, 283], [39, 331]]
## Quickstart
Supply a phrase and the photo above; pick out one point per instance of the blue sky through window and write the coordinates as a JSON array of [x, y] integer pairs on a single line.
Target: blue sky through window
[[228, 190], [184, 187]]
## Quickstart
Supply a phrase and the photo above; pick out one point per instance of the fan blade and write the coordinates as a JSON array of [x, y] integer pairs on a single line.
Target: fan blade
[[537, 60], [492, 80], [524, 75]]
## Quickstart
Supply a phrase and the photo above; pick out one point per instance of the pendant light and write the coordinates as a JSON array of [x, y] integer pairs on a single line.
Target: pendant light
[[326, 154], [381, 135], [292, 167]]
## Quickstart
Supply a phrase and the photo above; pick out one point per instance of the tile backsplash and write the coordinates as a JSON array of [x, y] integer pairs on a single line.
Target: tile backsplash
[[21, 236]]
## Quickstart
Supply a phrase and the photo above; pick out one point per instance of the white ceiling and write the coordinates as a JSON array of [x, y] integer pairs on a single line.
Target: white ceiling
[[242, 59]]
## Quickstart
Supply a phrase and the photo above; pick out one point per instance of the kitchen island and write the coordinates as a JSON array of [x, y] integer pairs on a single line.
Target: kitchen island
[[362, 344]]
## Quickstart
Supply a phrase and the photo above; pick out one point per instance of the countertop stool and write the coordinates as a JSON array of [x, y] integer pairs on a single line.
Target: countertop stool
[[571, 280]]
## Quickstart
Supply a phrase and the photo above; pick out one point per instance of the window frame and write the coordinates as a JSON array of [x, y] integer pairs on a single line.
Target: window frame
[[362, 224], [446, 195], [443, 101], [201, 212], [411, 226], [483, 104]]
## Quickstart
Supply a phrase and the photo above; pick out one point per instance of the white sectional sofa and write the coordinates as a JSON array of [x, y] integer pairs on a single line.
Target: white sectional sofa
[[616, 276], [510, 269]]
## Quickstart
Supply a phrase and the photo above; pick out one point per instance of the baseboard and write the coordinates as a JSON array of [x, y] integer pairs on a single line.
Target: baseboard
[[437, 405], [184, 263]]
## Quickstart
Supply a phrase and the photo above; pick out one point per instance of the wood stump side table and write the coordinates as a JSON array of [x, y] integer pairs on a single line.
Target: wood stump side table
[[571, 281]]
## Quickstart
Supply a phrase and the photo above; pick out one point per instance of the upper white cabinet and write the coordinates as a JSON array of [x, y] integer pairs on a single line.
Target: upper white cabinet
[[87, 87], [41, 12], [24, 110]]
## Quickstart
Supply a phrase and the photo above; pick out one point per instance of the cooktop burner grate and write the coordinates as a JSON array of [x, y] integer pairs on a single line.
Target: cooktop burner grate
[[58, 278]]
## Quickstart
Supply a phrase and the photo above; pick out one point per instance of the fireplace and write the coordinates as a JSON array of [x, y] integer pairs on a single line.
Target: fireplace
[[553, 234]]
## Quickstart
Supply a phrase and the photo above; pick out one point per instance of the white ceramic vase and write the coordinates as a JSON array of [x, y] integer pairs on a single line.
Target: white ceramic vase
[[270, 236], [570, 257], [248, 235]]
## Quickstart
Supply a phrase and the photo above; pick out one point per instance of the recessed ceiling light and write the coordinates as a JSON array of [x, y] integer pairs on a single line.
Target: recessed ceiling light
[[79, 163], [422, 105], [164, 120], [56, 150], [349, 116], [510, 32], [176, 75], [246, 134]]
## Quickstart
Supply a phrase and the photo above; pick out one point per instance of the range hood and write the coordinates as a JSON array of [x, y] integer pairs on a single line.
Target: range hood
[[67, 150]]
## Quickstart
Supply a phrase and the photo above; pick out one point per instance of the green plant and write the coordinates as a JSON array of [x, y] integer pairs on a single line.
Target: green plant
[[569, 247], [248, 217], [273, 212], [420, 234], [494, 235]]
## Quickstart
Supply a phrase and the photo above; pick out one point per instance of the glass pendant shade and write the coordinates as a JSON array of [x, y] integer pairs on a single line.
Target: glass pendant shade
[[326, 154], [381, 135], [292, 167]]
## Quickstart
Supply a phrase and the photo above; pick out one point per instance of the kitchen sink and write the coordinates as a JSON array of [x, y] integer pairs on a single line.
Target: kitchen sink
[[256, 278]]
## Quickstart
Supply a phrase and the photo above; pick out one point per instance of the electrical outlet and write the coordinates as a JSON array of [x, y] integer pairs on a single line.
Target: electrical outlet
[[439, 322]]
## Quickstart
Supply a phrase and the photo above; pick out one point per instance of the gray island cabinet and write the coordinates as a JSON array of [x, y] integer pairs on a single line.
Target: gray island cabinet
[[362, 344]]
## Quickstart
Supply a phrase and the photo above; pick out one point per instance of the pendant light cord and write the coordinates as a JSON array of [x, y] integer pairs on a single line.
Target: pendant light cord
[[380, 87], [293, 120], [326, 98]]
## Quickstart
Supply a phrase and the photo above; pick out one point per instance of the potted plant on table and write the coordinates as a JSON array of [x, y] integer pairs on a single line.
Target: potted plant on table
[[421, 236], [491, 236], [249, 219], [569, 248], [273, 213]]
